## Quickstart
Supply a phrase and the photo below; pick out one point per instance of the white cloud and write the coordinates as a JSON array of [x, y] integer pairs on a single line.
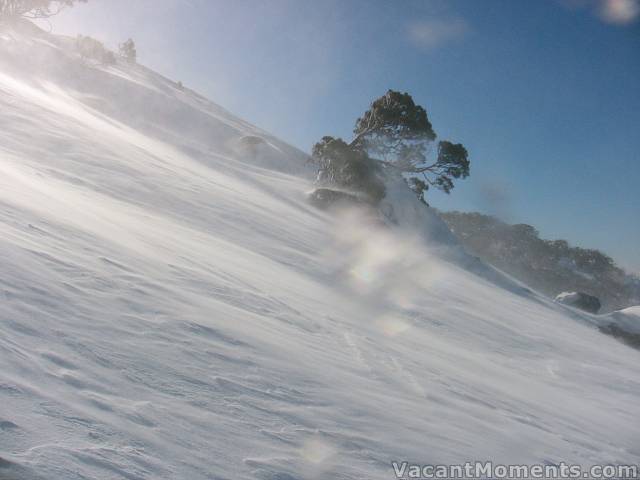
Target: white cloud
[[429, 34], [619, 11]]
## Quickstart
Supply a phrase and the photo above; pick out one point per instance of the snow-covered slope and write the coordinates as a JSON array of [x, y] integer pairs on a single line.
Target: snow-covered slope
[[172, 308]]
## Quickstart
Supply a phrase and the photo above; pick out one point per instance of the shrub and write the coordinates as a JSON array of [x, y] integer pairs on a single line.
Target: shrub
[[92, 50]]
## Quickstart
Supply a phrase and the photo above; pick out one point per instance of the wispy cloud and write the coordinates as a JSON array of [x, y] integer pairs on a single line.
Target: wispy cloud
[[617, 12], [430, 34], [620, 11]]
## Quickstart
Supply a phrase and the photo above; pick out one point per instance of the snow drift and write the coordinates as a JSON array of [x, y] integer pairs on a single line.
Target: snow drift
[[628, 319], [172, 307]]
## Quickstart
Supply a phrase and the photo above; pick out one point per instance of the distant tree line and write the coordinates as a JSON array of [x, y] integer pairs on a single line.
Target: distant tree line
[[548, 266]]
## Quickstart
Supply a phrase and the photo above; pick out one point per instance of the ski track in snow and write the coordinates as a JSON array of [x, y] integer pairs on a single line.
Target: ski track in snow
[[172, 308]]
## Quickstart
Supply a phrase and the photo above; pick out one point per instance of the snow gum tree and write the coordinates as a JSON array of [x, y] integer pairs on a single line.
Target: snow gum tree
[[393, 137]]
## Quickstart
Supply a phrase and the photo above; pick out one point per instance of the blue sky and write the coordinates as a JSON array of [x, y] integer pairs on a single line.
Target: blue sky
[[544, 94]]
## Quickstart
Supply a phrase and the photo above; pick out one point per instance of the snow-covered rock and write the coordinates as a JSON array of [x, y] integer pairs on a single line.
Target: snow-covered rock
[[329, 198], [623, 324], [172, 307], [628, 318], [580, 300]]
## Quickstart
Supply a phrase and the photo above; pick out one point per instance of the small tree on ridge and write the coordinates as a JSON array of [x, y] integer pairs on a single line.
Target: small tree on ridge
[[128, 51]]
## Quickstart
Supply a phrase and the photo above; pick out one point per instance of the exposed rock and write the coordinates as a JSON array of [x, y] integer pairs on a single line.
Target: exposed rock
[[580, 300], [327, 198]]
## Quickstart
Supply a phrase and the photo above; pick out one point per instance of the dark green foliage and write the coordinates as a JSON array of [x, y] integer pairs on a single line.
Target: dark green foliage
[[345, 166], [399, 133], [11, 9], [419, 187], [392, 119], [549, 266], [393, 137], [452, 162]]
